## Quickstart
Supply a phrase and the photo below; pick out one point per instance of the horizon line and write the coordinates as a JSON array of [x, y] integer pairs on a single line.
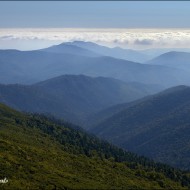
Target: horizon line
[[99, 28]]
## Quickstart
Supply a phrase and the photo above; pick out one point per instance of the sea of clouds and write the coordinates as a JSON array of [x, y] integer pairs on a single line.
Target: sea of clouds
[[35, 38]]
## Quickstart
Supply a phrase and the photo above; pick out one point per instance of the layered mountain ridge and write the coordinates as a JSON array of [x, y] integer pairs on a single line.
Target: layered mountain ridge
[[157, 127], [35, 66], [72, 97]]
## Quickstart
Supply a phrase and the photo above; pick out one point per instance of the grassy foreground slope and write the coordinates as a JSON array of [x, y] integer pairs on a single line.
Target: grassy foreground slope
[[36, 153]]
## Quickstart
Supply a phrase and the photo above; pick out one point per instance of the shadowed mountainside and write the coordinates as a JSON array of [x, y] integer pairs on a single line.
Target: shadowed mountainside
[[157, 127], [72, 97]]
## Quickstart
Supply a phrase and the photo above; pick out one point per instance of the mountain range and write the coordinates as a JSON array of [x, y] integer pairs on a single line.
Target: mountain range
[[41, 153], [29, 67], [73, 97], [156, 126], [120, 95]]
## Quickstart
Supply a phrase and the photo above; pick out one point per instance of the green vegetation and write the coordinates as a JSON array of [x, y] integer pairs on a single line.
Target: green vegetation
[[41, 153]]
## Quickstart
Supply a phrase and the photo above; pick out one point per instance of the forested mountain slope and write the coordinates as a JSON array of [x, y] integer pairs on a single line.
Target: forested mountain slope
[[157, 127], [39, 153]]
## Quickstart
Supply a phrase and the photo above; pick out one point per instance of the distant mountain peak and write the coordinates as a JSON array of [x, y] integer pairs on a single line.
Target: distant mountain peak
[[70, 48], [172, 55], [175, 59]]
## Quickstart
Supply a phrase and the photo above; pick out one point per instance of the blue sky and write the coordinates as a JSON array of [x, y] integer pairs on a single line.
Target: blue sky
[[127, 24], [95, 14]]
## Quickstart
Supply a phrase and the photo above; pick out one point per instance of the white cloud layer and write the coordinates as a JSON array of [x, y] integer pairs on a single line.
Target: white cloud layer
[[126, 38]]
